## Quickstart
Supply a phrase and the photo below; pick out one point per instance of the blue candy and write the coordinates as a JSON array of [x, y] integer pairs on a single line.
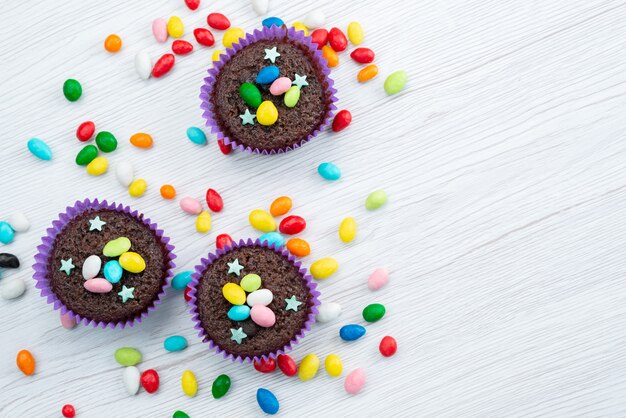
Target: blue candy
[[267, 401], [40, 149], [351, 332], [273, 238], [329, 171], [239, 312], [273, 20], [175, 343], [196, 135], [181, 280], [6, 232], [267, 74], [113, 271]]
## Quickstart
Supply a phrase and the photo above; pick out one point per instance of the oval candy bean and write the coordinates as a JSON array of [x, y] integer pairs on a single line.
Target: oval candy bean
[[351, 332], [373, 312], [272, 239], [298, 247], [9, 261], [98, 285], [362, 55], [281, 206], [116, 247], [163, 65], [159, 30], [143, 65], [333, 365], [395, 82], [280, 86], [181, 47], [260, 297], [232, 36], [329, 171], [292, 225], [12, 288], [367, 73], [175, 343], [319, 37], [250, 283], [268, 22], [308, 367], [214, 200], [19, 222], [267, 75], [324, 268], [388, 346], [260, 6], [91, 267], [106, 141], [300, 27], [218, 21], [141, 140], [150, 380], [314, 19], [262, 221], [204, 36], [113, 271], [125, 173], [224, 148], [239, 312], [337, 40], [378, 278], [113, 43], [39, 149], [190, 205], [251, 94], [355, 380], [287, 365], [175, 27], [223, 240], [85, 131], [267, 401], [265, 365], [189, 383], [131, 376], [25, 362], [203, 222], [67, 322], [355, 33], [6, 232], [215, 56], [376, 199], [262, 316], [196, 135], [192, 4], [132, 262], [186, 293], [182, 279], [341, 120], [347, 229], [328, 311], [167, 191], [220, 386], [72, 90], [292, 96], [234, 293], [330, 55], [68, 411], [86, 155]]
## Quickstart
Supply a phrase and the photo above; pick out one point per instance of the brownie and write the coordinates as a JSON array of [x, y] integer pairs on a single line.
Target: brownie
[[294, 124], [77, 242], [279, 275]]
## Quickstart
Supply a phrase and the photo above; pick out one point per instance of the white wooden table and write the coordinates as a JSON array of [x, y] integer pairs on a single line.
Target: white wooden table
[[504, 233]]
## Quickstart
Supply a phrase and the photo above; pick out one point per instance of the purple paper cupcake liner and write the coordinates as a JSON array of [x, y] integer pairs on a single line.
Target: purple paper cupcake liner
[[201, 268], [44, 251], [273, 32]]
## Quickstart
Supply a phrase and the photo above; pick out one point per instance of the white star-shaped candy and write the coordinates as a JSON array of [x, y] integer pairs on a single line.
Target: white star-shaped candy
[[96, 223], [67, 266], [235, 267], [237, 335], [126, 293], [247, 118], [292, 304], [271, 54], [300, 81]]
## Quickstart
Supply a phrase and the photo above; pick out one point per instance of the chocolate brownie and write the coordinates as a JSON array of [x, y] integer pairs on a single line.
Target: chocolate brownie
[[77, 241]]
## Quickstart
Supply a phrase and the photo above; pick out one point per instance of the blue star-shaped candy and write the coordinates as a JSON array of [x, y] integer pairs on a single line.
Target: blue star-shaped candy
[[247, 118], [126, 293], [292, 304], [238, 335], [67, 266], [271, 54], [96, 223], [235, 267], [300, 81]]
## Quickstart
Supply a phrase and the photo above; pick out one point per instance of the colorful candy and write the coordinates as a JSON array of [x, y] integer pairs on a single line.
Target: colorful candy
[[260, 6], [314, 19], [251, 94], [12, 288], [232, 36], [181, 47], [308, 367], [67, 321], [267, 401], [347, 229], [131, 377], [328, 311], [106, 141], [224, 148], [143, 64], [367, 73], [280, 86], [265, 365], [150, 380], [376, 199], [132, 262], [330, 55], [125, 173], [85, 131], [280, 206], [128, 356], [25, 362], [329, 171], [180, 414], [223, 240], [214, 201], [218, 21], [98, 285], [362, 55], [287, 365], [355, 380], [68, 411], [337, 40], [189, 383], [204, 36], [182, 279], [215, 56], [39, 149], [260, 297], [203, 222], [116, 247], [388, 346], [324, 268], [163, 65], [91, 267], [196, 135], [239, 312], [72, 90], [268, 22], [395, 82], [19, 222], [175, 27], [192, 4], [378, 278], [333, 365], [113, 43], [341, 120], [251, 283], [8, 260], [292, 96], [141, 140], [319, 37], [351, 332], [220, 386], [6, 232], [292, 225], [373, 312], [190, 205], [267, 75], [159, 30], [97, 166], [261, 220], [234, 294], [355, 33], [168, 191], [137, 188], [86, 155], [298, 247], [186, 293], [113, 271], [262, 316], [273, 238]]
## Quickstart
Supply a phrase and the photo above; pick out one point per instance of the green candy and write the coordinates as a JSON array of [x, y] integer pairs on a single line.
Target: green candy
[[127, 356], [292, 96], [116, 247], [86, 155], [373, 312], [106, 141], [72, 90], [180, 414], [376, 199], [395, 82], [250, 94], [250, 282], [220, 386]]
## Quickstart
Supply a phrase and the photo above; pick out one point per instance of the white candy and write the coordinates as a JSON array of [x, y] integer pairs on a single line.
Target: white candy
[[19, 222], [314, 19], [260, 6], [328, 311], [260, 297], [143, 65], [12, 288], [125, 173], [91, 267], [131, 378]]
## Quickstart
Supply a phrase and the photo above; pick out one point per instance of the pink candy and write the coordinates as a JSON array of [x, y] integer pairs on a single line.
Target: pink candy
[[98, 285], [190, 205], [280, 86], [378, 278], [355, 381], [262, 316], [67, 322], [159, 30]]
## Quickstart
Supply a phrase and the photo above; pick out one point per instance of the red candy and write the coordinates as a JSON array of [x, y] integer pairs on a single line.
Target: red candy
[[292, 225], [163, 65], [265, 366], [214, 200], [222, 240], [388, 346], [186, 293], [342, 120], [226, 149], [150, 380], [181, 47], [204, 36], [319, 37], [337, 40], [192, 4], [85, 131], [287, 365], [362, 55], [68, 411], [218, 21]]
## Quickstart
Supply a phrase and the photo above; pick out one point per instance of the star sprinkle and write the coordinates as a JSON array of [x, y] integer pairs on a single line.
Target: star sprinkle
[[126, 293], [96, 223], [247, 118], [67, 266], [300, 81], [238, 335], [292, 304], [235, 267], [271, 54]]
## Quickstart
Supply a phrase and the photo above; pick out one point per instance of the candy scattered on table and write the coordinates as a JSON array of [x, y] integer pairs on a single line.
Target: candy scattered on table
[[367, 73], [265, 365], [12, 288], [25, 362], [314, 19], [113, 43], [299, 26], [220, 386], [351, 332], [223, 240], [192, 4], [203, 222], [347, 229], [180, 414], [342, 120], [190, 205], [273, 238], [319, 37], [292, 225], [260, 6], [85, 131], [143, 65], [329, 171], [388, 346], [141, 140], [196, 135], [232, 36], [175, 27], [8, 260], [204, 36], [378, 278], [214, 200], [355, 380], [328, 311], [355, 33], [374, 312], [97, 166], [124, 173], [280, 206], [267, 401], [272, 21], [131, 377], [332, 59], [298, 247], [168, 191], [324, 268], [182, 279], [106, 141], [68, 411], [363, 55], [137, 188], [67, 322], [218, 21], [333, 365], [181, 47], [6, 232], [19, 222], [189, 383], [395, 82], [309, 366], [163, 65], [287, 365], [150, 380], [376, 199], [39, 149], [262, 221], [337, 40], [72, 90], [86, 155]]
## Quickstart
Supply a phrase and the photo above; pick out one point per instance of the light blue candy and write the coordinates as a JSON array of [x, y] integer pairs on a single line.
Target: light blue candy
[[329, 171], [239, 312], [273, 20], [267, 74], [351, 332], [273, 238], [6, 232], [113, 271], [267, 401], [39, 149], [175, 343], [196, 135], [181, 280]]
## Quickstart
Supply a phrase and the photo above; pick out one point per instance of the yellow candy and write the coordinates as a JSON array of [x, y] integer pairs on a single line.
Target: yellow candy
[[347, 229], [97, 166], [267, 114], [189, 383], [216, 55], [300, 26], [234, 293], [333, 365], [355, 33], [175, 27], [308, 367], [137, 188], [324, 267], [203, 222], [232, 36], [132, 262], [261, 220]]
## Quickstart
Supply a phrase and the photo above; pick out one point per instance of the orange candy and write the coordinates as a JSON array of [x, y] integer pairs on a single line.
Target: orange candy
[[298, 247], [141, 140], [113, 43], [330, 55], [168, 191], [367, 73], [25, 362], [280, 206]]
